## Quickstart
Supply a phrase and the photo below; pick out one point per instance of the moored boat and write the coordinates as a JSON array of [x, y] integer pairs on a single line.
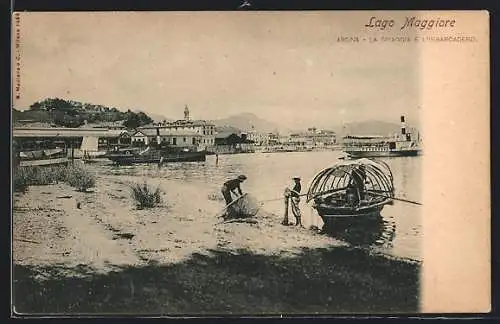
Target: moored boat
[[354, 188], [403, 144], [154, 155]]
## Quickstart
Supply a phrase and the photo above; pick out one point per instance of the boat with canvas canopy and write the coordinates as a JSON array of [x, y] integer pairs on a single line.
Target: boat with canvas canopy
[[352, 188]]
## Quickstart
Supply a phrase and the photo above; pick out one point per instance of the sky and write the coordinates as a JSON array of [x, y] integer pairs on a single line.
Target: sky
[[285, 67]]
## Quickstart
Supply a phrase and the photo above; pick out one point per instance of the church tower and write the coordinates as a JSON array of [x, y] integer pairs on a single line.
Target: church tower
[[186, 112]]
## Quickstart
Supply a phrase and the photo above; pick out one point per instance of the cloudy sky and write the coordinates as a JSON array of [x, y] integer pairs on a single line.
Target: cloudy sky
[[286, 67]]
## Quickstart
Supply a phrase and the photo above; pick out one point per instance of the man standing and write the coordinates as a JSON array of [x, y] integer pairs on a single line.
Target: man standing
[[232, 186], [293, 197]]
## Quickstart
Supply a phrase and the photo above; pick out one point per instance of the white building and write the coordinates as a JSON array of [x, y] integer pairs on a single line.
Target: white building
[[260, 139], [201, 127], [321, 137], [174, 138]]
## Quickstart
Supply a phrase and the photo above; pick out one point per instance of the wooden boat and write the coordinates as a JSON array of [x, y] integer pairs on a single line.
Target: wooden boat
[[154, 155], [353, 188], [42, 157]]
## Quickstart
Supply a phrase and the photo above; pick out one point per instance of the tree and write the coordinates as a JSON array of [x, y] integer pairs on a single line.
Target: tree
[[35, 106], [132, 120], [144, 119], [71, 113]]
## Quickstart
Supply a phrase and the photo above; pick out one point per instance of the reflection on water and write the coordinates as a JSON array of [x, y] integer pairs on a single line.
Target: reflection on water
[[397, 231], [373, 231]]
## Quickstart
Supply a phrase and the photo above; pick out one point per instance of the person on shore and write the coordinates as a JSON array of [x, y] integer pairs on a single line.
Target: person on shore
[[292, 197], [229, 187]]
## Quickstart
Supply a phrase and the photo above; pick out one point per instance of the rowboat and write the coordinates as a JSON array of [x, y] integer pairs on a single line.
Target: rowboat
[[351, 188]]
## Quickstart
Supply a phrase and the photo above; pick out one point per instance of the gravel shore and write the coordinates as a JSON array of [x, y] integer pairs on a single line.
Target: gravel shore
[[107, 256]]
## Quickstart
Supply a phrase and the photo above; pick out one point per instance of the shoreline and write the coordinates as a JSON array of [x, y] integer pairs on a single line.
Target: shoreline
[[174, 259]]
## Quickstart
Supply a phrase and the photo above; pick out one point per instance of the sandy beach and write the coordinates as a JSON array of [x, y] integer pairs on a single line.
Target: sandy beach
[[95, 252]]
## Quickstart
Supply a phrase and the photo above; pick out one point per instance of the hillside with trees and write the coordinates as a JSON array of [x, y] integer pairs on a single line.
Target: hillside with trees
[[70, 113]]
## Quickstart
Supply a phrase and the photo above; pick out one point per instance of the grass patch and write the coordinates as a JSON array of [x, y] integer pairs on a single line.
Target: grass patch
[[77, 177], [145, 196], [23, 177], [80, 178], [215, 196]]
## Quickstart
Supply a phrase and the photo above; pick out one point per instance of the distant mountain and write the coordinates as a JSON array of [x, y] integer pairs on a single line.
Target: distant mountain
[[227, 129], [247, 122], [373, 127], [157, 118]]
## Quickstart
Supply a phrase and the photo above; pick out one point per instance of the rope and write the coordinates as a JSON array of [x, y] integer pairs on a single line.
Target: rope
[[281, 198]]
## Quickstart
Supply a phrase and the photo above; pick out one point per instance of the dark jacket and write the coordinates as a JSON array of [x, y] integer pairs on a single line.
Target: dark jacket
[[232, 185], [296, 189]]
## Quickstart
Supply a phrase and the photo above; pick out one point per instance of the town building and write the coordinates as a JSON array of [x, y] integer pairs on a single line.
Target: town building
[[259, 138], [201, 127], [231, 143], [169, 137], [114, 125], [274, 139], [322, 137], [301, 140]]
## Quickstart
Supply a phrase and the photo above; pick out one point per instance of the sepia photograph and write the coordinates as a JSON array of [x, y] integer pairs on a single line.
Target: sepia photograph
[[248, 163]]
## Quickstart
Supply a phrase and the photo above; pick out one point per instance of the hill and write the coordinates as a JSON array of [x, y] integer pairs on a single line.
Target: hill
[[70, 113], [248, 122]]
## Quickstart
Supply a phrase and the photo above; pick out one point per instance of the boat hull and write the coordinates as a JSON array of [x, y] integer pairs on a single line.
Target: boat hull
[[331, 215], [45, 162], [333, 212], [167, 158], [372, 154]]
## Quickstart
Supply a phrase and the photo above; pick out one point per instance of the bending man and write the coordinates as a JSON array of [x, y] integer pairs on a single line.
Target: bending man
[[232, 186]]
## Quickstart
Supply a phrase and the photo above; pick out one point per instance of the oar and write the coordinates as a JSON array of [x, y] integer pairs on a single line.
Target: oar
[[230, 204], [394, 198]]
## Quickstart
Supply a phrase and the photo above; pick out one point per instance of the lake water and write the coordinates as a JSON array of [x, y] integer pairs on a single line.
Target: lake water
[[397, 232]]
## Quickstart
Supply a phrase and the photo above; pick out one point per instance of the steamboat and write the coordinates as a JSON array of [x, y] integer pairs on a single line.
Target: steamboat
[[405, 143]]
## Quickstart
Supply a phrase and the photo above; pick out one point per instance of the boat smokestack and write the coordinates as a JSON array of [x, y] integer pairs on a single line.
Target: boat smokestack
[[403, 125]]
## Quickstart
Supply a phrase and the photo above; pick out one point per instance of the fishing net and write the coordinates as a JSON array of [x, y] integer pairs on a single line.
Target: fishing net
[[246, 206]]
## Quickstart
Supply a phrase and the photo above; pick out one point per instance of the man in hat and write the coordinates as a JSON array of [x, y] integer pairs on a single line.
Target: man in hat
[[232, 186], [356, 186], [293, 196]]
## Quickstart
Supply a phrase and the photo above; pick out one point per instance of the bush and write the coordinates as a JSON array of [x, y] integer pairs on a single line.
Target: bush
[[32, 176], [19, 182], [215, 196], [145, 197], [80, 178]]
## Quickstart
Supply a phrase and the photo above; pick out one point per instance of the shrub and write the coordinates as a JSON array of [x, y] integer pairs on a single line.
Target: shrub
[[145, 197], [80, 178], [215, 196], [39, 175], [19, 182]]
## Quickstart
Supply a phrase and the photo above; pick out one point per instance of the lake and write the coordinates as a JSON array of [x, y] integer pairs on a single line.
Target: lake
[[397, 232]]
